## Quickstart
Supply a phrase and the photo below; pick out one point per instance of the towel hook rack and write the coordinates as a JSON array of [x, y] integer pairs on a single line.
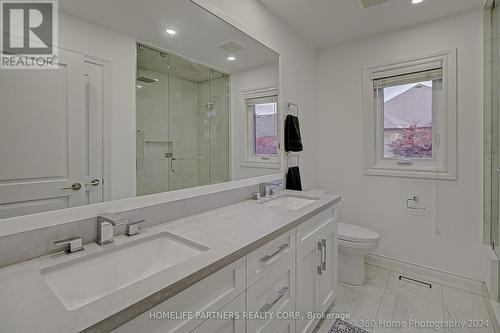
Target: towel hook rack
[[292, 107], [288, 156]]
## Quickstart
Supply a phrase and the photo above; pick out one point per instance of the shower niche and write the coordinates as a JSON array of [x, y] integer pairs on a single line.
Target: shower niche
[[182, 123]]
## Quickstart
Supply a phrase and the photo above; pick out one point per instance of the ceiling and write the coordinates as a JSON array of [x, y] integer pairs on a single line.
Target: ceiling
[[199, 33], [153, 60], [326, 22]]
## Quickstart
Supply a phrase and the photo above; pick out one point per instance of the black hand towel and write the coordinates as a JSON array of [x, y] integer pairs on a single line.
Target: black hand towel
[[293, 141], [293, 179]]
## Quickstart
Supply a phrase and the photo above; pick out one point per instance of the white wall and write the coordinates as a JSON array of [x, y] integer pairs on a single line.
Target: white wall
[[89, 39], [266, 76], [380, 202], [297, 68]]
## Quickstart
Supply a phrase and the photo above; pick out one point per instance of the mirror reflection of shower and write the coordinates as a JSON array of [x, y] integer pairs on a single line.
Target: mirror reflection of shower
[[182, 123]]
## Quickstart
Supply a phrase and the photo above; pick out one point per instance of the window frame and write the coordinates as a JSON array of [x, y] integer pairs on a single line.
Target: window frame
[[250, 159], [443, 165]]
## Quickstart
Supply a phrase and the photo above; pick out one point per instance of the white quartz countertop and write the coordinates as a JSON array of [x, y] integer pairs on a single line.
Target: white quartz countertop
[[27, 304]]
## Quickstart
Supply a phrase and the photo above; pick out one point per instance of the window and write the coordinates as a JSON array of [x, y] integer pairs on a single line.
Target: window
[[262, 138], [410, 118]]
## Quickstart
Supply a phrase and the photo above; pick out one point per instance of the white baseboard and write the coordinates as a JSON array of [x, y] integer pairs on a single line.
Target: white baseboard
[[427, 273]]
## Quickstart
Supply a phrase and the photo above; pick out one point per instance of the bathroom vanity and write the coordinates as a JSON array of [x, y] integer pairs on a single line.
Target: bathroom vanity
[[203, 273], [151, 143]]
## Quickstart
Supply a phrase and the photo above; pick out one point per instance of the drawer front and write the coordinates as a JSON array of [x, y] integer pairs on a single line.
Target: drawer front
[[308, 230], [229, 321], [278, 325], [208, 295], [263, 260], [273, 294], [284, 326]]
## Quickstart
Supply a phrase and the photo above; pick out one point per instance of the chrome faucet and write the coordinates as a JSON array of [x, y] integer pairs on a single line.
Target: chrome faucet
[[269, 189], [105, 227]]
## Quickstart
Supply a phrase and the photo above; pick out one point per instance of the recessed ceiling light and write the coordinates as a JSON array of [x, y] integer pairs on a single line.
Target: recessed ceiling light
[[231, 58], [156, 80], [171, 31], [416, 2], [139, 86]]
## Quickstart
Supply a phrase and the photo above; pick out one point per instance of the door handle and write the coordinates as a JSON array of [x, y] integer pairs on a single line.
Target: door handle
[[323, 263], [95, 182], [74, 187], [320, 266]]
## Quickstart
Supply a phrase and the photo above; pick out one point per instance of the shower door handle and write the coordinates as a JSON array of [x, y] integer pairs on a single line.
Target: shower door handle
[[172, 165]]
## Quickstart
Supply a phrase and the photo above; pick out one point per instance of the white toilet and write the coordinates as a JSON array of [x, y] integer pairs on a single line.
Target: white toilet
[[354, 242]]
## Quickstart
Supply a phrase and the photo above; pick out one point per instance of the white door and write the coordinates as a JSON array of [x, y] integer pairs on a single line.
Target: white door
[[45, 121], [93, 76], [328, 278], [308, 265]]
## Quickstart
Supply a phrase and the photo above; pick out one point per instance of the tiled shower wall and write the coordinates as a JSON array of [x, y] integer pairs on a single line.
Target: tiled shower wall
[[189, 119], [214, 131]]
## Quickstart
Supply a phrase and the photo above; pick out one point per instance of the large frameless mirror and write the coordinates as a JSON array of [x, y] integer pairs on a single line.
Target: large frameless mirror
[[143, 97]]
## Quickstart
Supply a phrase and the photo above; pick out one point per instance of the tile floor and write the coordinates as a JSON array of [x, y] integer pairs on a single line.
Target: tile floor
[[386, 301]]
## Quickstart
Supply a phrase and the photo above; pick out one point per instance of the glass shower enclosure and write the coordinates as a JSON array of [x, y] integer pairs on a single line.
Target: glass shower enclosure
[[182, 123]]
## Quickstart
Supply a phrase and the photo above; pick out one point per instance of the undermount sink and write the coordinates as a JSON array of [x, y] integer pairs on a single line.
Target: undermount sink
[[289, 202], [82, 281]]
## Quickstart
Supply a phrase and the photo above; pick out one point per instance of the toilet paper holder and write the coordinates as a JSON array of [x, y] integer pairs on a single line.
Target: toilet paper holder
[[414, 199]]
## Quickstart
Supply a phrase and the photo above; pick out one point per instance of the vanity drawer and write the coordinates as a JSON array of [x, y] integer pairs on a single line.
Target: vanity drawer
[[284, 326], [209, 295], [308, 230], [229, 322], [263, 260], [272, 294]]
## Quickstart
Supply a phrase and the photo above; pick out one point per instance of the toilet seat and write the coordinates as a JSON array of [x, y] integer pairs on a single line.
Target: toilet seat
[[356, 234]]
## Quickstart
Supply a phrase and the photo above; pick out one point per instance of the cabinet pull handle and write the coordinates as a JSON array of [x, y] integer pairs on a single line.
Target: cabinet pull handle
[[266, 307], [320, 266], [323, 263], [269, 256]]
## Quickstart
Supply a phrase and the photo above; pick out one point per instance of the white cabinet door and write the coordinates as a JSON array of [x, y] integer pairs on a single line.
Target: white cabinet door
[[287, 326], [308, 266], [229, 319], [328, 278]]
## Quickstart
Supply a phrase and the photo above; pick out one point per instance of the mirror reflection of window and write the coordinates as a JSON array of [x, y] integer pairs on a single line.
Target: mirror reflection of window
[[262, 128], [265, 129]]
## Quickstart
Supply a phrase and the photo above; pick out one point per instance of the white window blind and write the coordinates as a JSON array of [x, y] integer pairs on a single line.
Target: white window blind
[[426, 75], [261, 100]]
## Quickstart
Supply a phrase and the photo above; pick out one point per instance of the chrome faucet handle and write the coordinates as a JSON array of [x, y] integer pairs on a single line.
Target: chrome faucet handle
[[74, 244], [112, 218], [270, 188], [133, 227]]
